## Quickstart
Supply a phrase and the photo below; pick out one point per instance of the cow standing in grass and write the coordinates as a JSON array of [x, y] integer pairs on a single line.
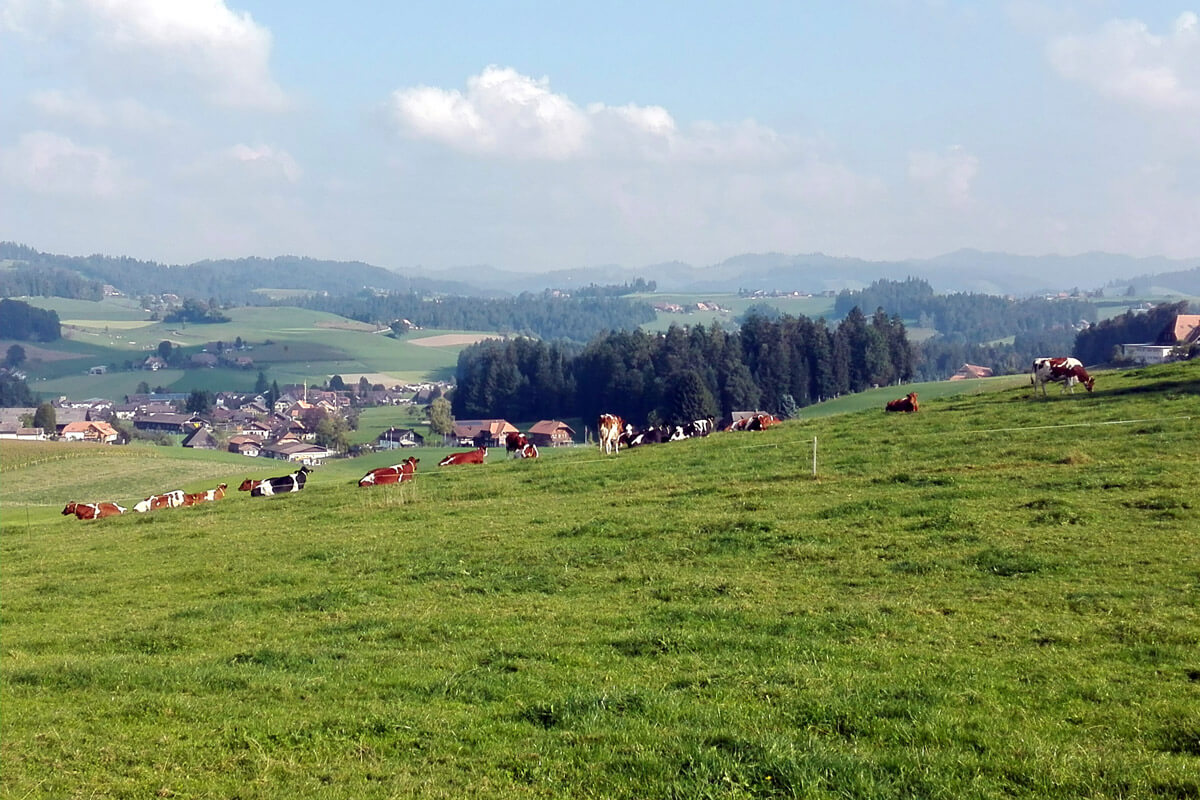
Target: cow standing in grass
[[1067, 371]]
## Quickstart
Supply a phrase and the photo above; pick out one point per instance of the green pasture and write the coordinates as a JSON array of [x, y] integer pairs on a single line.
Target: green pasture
[[996, 597], [305, 347]]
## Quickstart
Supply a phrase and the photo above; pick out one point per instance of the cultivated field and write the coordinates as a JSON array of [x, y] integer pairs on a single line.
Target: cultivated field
[[306, 347], [996, 597]]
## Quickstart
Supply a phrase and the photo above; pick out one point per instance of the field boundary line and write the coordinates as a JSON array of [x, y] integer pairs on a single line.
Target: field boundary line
[[1071, 425]]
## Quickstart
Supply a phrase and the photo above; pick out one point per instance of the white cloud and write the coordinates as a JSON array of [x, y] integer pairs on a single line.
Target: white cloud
[[945, 175], [1124, 60], [47, 163], [505, 114], [223, 52], [76, 107], [265, 161]]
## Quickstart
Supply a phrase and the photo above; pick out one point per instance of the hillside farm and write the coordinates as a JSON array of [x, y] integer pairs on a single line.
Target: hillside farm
[[996, 597]]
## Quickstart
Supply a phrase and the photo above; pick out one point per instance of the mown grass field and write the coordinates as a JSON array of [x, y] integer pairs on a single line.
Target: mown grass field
[[997, 597]]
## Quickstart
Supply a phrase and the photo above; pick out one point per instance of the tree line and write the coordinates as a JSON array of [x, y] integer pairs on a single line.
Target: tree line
[[23, 322], [776, 365]]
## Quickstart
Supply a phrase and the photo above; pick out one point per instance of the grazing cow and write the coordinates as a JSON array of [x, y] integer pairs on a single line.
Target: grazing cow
[[529, 451], [610, 427], [92, 510], [1067, 371], [475, 456], [209, 496], [281, 485], [397, 473], [907, 404], [154, 502], [515, 443]]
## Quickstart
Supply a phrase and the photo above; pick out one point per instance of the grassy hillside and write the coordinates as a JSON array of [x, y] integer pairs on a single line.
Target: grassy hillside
[[995, 597], [306, 347]]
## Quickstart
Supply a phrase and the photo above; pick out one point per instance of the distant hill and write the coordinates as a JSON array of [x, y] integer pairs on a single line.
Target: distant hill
[[235, 280], [229, 280]]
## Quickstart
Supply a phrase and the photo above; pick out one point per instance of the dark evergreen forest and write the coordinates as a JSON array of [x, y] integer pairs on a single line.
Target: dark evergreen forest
[[23, 322], [777, 365]]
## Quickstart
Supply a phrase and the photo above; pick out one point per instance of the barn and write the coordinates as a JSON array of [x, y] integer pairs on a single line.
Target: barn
[[551, 433]]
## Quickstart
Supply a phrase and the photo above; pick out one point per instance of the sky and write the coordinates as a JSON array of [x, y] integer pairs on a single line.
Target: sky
[[538, 136]]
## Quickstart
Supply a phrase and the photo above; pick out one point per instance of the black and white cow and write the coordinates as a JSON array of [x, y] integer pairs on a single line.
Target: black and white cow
[[281, 485]]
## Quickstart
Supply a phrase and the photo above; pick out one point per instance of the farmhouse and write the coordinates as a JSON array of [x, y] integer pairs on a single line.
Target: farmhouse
[[200, 439], [482, 432], [245, 446], [309, 454], [10, 430], [393, 438], [167, 423], [100, 432], [1183, 331], [551, 433]]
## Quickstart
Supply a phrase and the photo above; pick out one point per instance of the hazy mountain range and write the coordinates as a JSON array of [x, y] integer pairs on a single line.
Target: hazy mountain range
[[960, 271]]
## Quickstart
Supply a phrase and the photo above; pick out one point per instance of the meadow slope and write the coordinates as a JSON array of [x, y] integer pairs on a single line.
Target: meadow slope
[[996, 597]]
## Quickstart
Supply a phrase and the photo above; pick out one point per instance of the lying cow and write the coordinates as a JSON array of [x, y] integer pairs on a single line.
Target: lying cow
[[285, 484], [529, 450], [1067, 371], [652, 434], [475, 456], [210, 496], [154, 502], [907, 404], [92, 510], [397, 473]]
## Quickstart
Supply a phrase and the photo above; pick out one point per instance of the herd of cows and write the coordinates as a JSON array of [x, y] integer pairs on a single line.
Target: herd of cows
[[613, 433]]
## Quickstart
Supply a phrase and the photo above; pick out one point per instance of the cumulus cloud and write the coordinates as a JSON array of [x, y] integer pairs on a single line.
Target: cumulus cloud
[[1124, 60], [223, 52], [47, 163], [78, 108], [506, 114], [946, 175]]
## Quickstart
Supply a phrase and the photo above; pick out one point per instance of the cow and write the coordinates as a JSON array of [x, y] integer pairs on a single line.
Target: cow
[[172, 499], [209, 496], [248, 485], [285, 484], [610, 427], [529, 450], [1067, 371], [514, 444], [760, 422], [688, 430], [650, 435], [906, 404], [92, 510], [397, 473], [475, 456]]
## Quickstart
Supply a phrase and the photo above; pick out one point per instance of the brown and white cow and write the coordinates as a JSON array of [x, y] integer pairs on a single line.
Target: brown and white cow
[[1067, 371], [475, 456], [906, 404], [92, 510], [610, 428], [529, 450], [514, 443], [154, 502], [396, 473], [249, 484], [210, 496]]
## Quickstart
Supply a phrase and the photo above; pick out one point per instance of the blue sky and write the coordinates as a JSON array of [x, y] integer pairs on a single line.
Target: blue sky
[[537, 136]]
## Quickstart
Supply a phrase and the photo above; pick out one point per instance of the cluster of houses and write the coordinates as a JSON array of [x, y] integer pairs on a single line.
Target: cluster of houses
[[247, 425]]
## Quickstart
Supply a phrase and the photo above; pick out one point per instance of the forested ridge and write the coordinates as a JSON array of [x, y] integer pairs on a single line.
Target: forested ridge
[[548, 315], [777, 365]]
